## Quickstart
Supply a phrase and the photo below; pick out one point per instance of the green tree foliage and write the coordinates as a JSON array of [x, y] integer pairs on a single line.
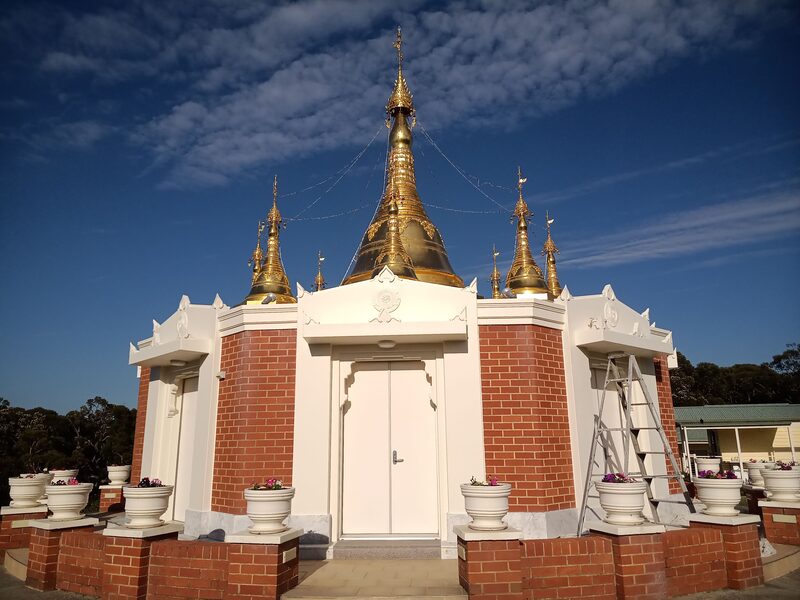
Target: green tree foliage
[[707, 383], [90, 438]]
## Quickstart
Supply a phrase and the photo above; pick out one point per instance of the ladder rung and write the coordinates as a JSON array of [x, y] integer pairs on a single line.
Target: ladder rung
[[658, 476], [645, 428], [667, 501], [650, 452], [639, 404]]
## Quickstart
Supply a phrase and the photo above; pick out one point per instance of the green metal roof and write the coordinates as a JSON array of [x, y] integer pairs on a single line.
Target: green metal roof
[[737, 414]]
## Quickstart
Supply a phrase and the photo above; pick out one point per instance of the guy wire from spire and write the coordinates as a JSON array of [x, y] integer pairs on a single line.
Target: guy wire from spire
[[459, 170], [335, 183]]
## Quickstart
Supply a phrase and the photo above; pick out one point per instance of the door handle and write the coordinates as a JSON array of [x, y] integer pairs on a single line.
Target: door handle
[[396, 460]]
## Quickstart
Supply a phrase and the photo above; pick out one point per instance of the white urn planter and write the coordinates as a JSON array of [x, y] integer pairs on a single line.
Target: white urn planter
[[64, 474], [25, 491], [782, 486], [45, 478], [623, 502], [755, 472], [145, 505], [268, 509], [67, 501], [487, 505], [707, 463], [118, 474], [721, 496]]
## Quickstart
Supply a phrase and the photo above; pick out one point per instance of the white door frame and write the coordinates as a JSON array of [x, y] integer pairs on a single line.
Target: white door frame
[[343, 358]]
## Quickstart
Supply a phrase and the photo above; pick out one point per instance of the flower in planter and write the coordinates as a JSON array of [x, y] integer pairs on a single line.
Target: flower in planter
[[269, 484], [618, 478], [784, 466], [146, 482], [70, 481], [709, 474], [27, 476], [489, 481]]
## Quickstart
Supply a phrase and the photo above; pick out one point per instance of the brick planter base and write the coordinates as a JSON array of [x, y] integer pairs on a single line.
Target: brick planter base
[[44, 549], [111, 499], [15, 531], [742, 551], [781, 522]]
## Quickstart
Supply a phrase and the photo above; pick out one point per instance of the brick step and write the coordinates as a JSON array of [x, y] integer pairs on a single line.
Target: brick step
[[16, 562]]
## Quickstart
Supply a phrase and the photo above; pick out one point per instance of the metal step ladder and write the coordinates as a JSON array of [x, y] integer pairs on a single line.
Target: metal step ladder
[[623, 387]]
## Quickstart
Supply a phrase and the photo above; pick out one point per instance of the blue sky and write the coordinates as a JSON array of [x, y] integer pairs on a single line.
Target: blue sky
[[139, 140]]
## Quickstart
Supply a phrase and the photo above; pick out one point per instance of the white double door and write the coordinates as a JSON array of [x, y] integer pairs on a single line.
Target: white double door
[[389, 471]]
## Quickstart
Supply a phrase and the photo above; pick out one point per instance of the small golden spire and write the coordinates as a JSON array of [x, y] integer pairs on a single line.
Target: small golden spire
[[401, 97], [393, 254], [272, 284], [319, 280], [524, 276], [257, 259], [549, 251], [496, 294]]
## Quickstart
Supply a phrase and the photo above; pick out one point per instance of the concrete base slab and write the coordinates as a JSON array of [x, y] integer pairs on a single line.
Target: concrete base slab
[[15, 510], [643, 529], [741, 519], [245, 537], [785, 560], [116, 531], [471, 535], [16, 562], [51, 525], [773, 504]]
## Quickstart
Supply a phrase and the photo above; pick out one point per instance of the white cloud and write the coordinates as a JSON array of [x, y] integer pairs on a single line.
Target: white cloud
[[256, 83], [731, 224]]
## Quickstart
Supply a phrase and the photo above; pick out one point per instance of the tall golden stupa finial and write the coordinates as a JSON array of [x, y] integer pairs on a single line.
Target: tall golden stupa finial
[[495, 279], [257, 259], [549, 251], [271, 284], [401, 96], [524, 277], [420, 238], [319, 280], [393, 254]]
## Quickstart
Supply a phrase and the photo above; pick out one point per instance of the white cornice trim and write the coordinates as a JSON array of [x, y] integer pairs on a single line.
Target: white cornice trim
[[257, 317], [521, 311]]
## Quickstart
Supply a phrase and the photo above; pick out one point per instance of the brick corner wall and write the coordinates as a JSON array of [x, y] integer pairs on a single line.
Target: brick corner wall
[[785, 530], [255, 414], [141, 417], [525, 415], [667, 411], [81, 561], [695, 561]]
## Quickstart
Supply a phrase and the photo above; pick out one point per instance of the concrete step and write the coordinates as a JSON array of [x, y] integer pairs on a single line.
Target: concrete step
[[783, 562], [387, 550], [16, 562], [378, 579]]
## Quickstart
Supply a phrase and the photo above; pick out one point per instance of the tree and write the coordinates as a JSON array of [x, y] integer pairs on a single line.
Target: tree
[[787, 362]]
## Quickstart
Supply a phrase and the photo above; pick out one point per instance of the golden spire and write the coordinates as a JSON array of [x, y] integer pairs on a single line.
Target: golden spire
[[419, 237], [524, 276], [319, 280], [271, 281], [257, 258], [392, 253], [549, 251], [401, 96], [495, 279]]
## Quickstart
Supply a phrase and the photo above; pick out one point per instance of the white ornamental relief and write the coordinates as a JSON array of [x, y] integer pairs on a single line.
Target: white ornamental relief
[[385, 302], [610, 315]]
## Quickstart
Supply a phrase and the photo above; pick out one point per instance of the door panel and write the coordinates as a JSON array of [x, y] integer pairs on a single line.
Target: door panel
[[365, 472], [413, 435], [183, 475]]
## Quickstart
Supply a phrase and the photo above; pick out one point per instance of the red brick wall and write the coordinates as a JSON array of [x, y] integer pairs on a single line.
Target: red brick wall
[[17, 537], [742, 553], [43, 557], [667, 412], [256, 571], [695, 561], [639, 566], [568, 568], [111, 500], [492, 569], [782, 533], [188, 570], [525, 420], [80, 563], [255, 414], [141, 416]]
